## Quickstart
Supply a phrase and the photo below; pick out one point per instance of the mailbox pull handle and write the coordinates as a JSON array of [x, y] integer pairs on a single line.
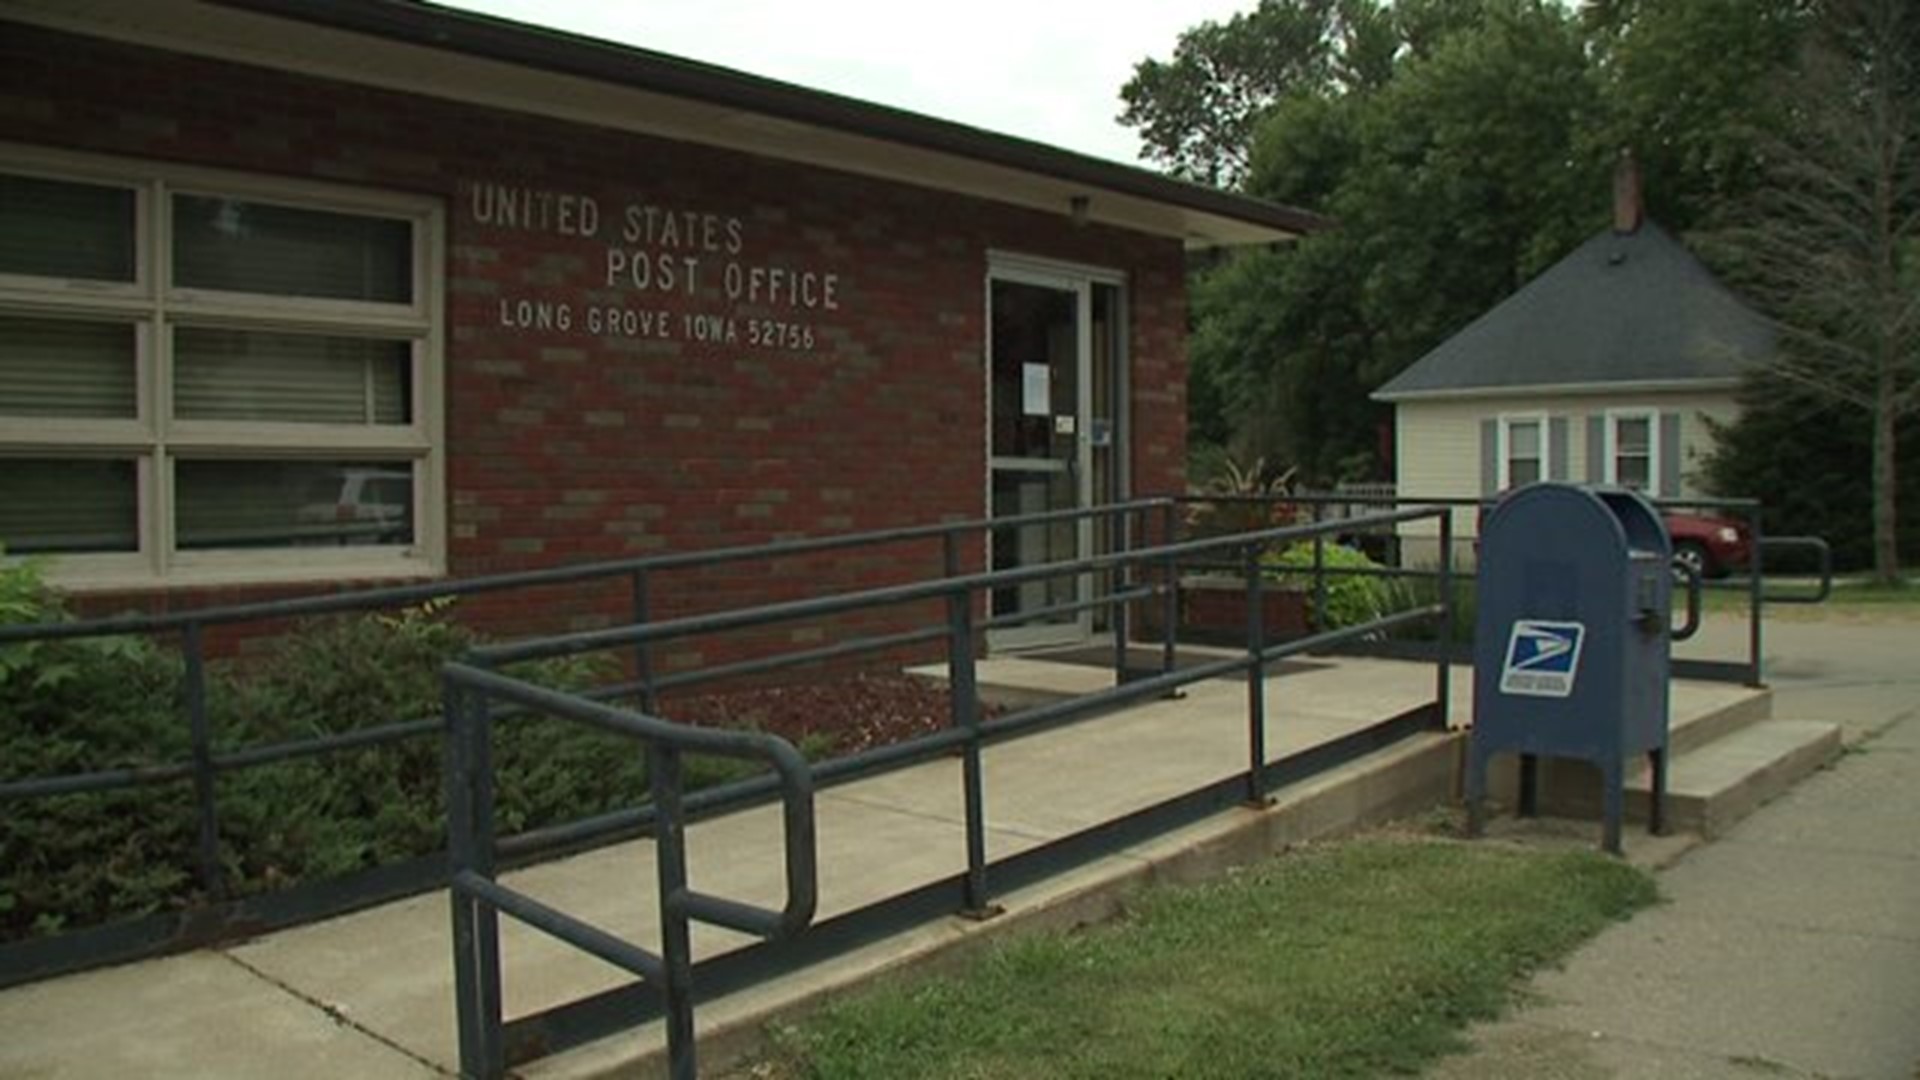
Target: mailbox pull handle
[[1689, 576]]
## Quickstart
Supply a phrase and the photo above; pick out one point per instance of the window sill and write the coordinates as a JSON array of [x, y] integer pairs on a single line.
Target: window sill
[[76, 578]]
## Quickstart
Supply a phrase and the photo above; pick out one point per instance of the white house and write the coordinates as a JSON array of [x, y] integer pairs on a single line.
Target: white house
[[1604, 369]]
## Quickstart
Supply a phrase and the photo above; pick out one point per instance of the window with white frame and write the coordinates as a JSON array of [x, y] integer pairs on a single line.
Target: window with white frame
[[214, 377], [1523, 450], [1633, 451]]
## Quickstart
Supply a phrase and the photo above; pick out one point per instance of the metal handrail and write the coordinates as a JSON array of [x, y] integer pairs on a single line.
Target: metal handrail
[[609, 637], [1749, 670], [475, 894], [205, 761], [1690, 583], [472, 686], [402, 595], [1822, 550]]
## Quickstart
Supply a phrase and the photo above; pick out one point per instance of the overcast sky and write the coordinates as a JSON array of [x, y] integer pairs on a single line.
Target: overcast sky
[[1049, 70]]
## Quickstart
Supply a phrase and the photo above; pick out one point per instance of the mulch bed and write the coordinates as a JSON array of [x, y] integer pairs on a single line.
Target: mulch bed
[[851, 713]]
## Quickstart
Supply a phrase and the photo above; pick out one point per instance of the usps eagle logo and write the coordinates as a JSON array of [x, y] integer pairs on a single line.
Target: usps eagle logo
[[1543, 658]]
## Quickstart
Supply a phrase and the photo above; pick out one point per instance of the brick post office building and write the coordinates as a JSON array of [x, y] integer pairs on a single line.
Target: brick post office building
[[300, 293]]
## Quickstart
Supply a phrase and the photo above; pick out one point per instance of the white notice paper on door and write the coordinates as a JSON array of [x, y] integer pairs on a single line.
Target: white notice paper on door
[[1036, 396]]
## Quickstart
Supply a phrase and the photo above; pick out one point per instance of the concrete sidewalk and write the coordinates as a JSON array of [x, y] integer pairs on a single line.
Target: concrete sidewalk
[[1789, 948]]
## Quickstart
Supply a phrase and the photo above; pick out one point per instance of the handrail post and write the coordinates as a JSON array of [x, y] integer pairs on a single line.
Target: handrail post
[[1443, 674], [649, 698], [205, 791], [1756, 586], [676, 938], [1170, 597], [1256, 682], [1320, 620], [476, 926], [964, 707], [1118, 581], [950, 553]]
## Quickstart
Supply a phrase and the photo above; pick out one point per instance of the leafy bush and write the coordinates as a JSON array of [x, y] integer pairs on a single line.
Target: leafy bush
[[89, 704], [79, 705], [1352, 598]]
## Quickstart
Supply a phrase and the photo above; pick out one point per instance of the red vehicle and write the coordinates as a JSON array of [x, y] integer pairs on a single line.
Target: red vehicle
[[1711, 546]]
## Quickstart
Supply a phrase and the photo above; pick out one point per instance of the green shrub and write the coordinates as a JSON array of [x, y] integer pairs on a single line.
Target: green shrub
[[1352, 598], [383, 804], [89, 704], [80, 705], [99, 703]]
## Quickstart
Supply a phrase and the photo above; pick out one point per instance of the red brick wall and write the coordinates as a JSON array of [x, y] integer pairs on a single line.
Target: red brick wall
[[565, 446]]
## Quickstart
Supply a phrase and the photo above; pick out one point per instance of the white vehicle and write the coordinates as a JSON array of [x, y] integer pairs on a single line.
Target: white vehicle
[[361, 506]]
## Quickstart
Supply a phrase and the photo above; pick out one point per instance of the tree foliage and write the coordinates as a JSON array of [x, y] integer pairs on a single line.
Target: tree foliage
[[1197, 111], [1800, 451], [1455, 174], [1829, 242]]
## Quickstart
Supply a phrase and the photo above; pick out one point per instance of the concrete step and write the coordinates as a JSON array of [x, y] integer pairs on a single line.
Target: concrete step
[[1710, 786], [1721, 712], [1702, 714]]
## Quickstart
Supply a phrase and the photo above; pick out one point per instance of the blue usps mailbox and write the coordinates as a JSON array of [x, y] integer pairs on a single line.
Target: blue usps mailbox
[[1572, 647]]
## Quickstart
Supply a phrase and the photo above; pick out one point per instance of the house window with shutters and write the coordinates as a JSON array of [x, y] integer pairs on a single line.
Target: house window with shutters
[[1633, 451], [1524, 452], [210, 377]]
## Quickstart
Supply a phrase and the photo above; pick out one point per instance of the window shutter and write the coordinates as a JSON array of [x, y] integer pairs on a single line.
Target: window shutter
[[1557, 448], [1670, 453], [1596, 449], [1489, 456]]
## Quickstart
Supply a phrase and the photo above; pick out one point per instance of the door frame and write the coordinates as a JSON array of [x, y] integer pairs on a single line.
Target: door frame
[[1080, 281]]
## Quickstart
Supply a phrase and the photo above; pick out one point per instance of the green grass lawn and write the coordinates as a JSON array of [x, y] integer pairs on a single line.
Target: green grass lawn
[[1849, 596], [1349, 960]]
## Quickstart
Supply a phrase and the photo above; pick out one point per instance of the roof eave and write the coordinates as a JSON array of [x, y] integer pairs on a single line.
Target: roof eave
[[1640, 386], [1239, 220]]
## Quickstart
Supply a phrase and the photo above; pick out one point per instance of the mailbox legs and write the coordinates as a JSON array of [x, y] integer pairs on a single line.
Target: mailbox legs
[[1613, 793], [1529, 786], [1657, 804]]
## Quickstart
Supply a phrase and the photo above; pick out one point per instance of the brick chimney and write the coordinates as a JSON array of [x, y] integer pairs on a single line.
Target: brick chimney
[[1628, 208]]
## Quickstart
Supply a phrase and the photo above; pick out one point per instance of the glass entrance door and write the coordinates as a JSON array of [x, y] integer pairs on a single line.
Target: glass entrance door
[[1039, 362]]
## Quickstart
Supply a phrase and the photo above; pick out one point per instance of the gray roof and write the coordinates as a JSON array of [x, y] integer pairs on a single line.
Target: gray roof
[[1623, 308]]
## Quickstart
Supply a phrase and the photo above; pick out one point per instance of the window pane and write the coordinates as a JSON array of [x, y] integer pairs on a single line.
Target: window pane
[[59, 229], [1523, 440], [1632, 436], [1632, 472], [1523, 471], [295, 378], [68, 507], [63, 368], [260, 248], [260, 504]]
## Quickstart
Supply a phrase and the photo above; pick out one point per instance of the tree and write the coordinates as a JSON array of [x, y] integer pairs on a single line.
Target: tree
[[1453, 181], [1197, 112], [1829, 245], [1798, 449], [1685, 85]]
